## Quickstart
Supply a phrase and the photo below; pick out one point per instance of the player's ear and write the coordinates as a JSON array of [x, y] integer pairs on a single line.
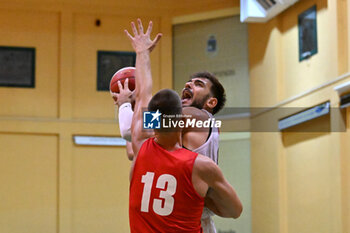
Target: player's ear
[[212, 102]]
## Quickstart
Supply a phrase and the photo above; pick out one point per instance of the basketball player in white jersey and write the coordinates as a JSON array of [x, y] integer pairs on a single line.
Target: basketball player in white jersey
[[202, 96]]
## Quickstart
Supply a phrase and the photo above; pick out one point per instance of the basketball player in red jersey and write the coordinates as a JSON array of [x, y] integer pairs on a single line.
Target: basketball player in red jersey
[[202, 97], [168, 182]]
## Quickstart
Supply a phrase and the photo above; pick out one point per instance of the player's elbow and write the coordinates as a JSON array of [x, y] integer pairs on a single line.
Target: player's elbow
[[130, 156], [234, 211], [238, 211]]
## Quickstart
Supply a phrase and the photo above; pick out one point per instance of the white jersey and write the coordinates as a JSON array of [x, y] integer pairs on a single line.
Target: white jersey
[[210, 149]]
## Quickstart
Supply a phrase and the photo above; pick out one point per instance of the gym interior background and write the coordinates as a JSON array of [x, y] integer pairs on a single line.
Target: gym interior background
[[289, 181]]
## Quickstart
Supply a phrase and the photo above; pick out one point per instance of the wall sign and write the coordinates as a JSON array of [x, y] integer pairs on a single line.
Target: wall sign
[[108, 63], [17, 67], [307, 33], [212, 46]]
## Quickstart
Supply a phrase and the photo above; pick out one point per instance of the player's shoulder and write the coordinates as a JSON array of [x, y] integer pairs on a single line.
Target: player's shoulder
[[204, 165], [194, 112]]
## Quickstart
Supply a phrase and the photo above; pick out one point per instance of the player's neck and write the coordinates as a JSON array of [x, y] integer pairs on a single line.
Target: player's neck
[[210, 110], [170, 141]]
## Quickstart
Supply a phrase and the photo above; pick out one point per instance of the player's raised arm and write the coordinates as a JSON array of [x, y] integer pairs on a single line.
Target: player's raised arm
[[143, 45], [221, 198]]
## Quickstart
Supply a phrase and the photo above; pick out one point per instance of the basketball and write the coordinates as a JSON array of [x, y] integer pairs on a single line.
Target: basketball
[[121, 75]]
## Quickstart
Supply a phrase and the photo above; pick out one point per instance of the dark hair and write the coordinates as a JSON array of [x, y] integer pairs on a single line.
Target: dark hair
[[167, 101], [217, 90]]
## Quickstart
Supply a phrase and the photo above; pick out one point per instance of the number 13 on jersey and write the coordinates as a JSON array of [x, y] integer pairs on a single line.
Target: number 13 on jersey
[[165, 195]]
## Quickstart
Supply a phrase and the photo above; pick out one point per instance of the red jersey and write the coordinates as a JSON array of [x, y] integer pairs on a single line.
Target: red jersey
[[162, 196]]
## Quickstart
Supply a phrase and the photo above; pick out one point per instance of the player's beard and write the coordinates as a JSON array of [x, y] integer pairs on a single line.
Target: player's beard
[[199, 103]]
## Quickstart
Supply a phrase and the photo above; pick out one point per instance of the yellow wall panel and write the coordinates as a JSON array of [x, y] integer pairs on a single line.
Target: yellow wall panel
[[265, 183], [28, 183], [40, 30], [298, 181], [345, 175], [321, 67], [309, 183], [88, 39], [100, 191], [264, 59]]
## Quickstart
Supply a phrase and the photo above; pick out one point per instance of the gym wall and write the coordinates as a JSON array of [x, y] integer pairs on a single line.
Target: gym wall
[[47, 183], [300, 181]]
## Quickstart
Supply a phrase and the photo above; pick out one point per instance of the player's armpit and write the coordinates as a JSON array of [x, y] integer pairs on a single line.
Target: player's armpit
[[221, 198], [139, 135]]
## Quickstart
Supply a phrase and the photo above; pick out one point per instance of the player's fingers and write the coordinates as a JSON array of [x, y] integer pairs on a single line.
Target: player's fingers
[[113, 94], [126, 84], [128, 35], [134, 30], [155, 41], [120, 85], [140, 26], [149, 29]]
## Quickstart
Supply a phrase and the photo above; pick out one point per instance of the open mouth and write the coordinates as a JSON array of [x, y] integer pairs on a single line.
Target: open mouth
[[186, 95]]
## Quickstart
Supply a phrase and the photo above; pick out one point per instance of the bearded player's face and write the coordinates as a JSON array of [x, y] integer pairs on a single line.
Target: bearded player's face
[[196, 92]]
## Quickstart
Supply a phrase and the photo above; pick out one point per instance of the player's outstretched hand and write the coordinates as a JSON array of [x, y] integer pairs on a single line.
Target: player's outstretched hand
[[124, 95], [142, 41]]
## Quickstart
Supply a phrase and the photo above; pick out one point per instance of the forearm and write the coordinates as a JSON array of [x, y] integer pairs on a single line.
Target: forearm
[[210, 204], [143, 76], [143, 94], [221, 198]]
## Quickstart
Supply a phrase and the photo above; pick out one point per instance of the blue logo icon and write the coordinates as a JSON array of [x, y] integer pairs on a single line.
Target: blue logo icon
[[151, 120], [320, 108]]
